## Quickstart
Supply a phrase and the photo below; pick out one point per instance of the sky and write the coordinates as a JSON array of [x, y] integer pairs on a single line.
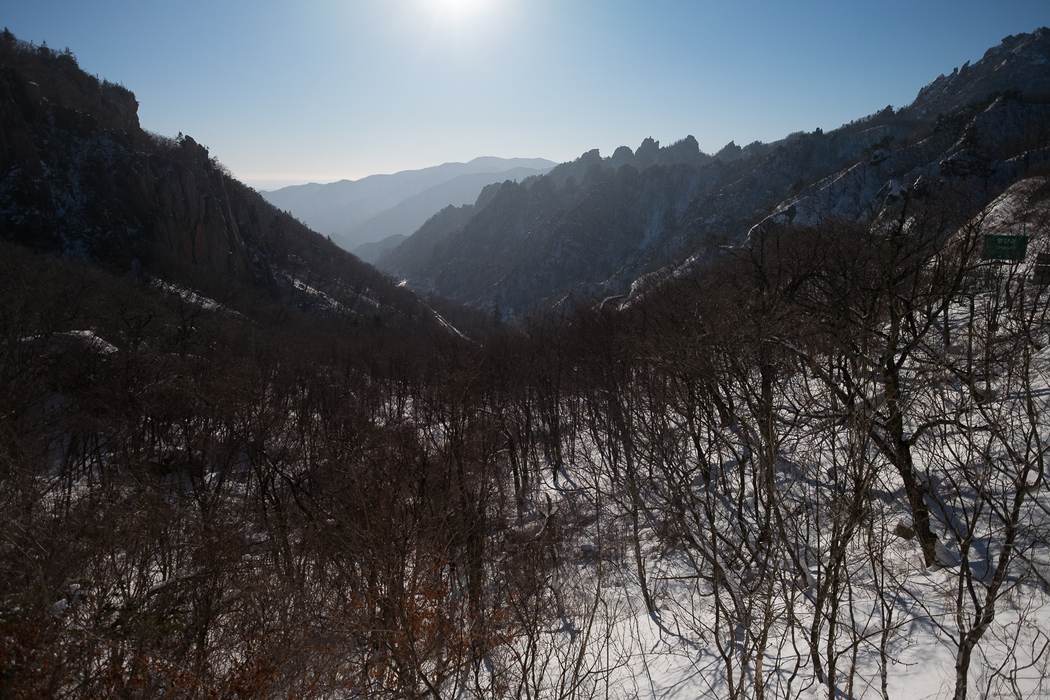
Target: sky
[[321, 90]]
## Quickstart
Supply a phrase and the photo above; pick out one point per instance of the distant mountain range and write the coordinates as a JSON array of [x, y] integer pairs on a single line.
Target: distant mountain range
[[78, 175], [356, 212], [597, 227]]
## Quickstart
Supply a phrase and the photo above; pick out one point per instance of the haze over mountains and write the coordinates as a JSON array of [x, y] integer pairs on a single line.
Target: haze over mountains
[[354, 212], [522, 235]]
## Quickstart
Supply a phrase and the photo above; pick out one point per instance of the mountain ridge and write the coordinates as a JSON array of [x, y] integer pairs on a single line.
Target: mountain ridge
[[409, 214], [346, 209], [992, 127]]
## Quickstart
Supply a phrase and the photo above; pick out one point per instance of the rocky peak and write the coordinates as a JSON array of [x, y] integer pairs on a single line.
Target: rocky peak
[[729, 152], [648, 154], [1018, 64]]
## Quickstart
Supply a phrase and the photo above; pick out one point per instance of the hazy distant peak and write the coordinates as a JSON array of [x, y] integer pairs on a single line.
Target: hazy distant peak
[[496, 164], [729, 152], [377, 206]]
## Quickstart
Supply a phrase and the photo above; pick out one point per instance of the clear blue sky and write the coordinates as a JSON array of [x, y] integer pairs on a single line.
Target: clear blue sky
[[318, 90]]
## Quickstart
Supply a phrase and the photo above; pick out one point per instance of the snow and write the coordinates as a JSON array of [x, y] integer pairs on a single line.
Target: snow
[[91, 340], [1013, 213], [754, 617], [923, 611], [445, 324], [324, 302], [76, 338], [660, 658], [193, 298]]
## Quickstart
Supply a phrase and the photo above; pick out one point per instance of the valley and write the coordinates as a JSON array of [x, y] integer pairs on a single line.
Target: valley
[[764, 423]]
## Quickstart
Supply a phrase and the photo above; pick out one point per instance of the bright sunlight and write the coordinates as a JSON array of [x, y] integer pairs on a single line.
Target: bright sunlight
[[460, 10]]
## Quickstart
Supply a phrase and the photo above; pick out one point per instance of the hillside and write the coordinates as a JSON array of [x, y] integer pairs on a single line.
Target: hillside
[[817, 469], [405, 217], [596, 226], [78, 176]]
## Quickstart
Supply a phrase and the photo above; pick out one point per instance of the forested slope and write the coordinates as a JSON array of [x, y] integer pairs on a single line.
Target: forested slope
[[822, 457], [810, 465]]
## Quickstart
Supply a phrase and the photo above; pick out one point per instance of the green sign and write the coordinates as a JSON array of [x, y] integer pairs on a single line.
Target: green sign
[[1005, 248]]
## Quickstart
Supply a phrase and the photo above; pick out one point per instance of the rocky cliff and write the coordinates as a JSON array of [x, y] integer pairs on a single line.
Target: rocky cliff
[[79, 176]]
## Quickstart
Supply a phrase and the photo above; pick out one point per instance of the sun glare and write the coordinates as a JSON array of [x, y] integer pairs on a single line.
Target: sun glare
[[459, 9], [459, 6]]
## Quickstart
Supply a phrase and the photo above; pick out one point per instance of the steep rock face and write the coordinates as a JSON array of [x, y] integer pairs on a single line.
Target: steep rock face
[[91, 182], [594, 226], [749, 185], [78, 176]]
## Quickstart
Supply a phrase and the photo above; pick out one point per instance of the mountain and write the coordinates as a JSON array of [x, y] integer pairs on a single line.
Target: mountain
[[371, 252], [599, 226], [375, 207], [408, 215], [1019, 63], [236, 462], [416, 256], [79, 176]]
